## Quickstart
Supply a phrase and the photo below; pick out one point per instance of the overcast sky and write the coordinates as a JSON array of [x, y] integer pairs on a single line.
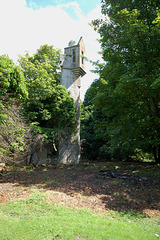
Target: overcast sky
[[25, 25]]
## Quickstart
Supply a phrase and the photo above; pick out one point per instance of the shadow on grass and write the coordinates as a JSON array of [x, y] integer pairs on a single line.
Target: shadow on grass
[[131, 194]]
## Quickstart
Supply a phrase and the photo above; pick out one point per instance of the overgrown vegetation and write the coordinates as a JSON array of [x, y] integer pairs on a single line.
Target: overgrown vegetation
[[120, 116], [32, 94], [120, 120], [12, 126], [12, 135]]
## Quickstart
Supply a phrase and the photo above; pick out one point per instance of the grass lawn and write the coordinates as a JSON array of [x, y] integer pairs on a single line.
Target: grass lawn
[[34, 218]]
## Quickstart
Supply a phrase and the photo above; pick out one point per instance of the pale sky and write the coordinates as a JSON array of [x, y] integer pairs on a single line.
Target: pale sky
[[25, 25]]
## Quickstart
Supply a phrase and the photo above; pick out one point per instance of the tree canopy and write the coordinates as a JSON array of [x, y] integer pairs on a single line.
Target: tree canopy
[[48, 103], [12, 84], [11, 79], [127, 93]]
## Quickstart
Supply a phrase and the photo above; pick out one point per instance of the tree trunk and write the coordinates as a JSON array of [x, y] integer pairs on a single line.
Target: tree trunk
[[156, 153]]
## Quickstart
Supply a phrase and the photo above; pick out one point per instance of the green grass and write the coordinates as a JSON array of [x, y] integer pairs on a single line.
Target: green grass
[[36, 219]]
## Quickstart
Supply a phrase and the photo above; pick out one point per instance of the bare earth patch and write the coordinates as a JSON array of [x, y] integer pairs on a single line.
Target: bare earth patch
[[93, 186], [11, 191]]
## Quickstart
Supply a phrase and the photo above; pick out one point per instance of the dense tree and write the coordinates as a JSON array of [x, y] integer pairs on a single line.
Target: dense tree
[[129, 85], [93, 143], [11, 79], [12, 85], [48, 103]]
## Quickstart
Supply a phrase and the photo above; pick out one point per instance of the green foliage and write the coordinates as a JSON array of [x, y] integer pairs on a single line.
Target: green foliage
[[92, 121], [48, 103], [127, 94], [12, 90], [11, 79], [2, 117], [12, 85]]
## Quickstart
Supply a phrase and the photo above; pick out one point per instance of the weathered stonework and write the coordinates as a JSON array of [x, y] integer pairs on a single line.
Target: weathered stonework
[[72, 69]]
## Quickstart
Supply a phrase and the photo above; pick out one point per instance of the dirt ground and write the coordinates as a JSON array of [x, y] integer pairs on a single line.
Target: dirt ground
[[96, 186]]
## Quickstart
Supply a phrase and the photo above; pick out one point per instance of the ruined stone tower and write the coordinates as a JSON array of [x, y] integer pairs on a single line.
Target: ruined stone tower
[[72, 69]]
